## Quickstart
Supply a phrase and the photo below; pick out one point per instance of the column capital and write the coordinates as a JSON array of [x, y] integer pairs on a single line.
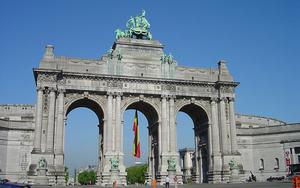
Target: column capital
[[172, 96], [164, 96], [110, 93], [224, 99], [39, 88], [214, 99], [119, 94], [231, 99], [52, 89], [61, 90]]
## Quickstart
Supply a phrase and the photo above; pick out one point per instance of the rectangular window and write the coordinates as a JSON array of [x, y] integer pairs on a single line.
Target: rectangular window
[[297, 150], [298, 159]]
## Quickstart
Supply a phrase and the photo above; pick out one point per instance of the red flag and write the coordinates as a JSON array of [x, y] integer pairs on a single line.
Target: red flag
[[136, 143]]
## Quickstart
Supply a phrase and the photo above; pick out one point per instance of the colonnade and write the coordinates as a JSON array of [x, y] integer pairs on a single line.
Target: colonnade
[[221, 134]]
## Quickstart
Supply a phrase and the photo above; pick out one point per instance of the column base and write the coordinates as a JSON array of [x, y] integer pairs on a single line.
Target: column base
[[36, 151], [108, 176], [218, 177]]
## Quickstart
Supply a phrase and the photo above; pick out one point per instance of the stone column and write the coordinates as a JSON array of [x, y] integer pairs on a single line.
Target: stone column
[[159, 138], [104, 134], [201, 167], [167, 134], [50, 130], [109, 122], [197, 152], [150, 154], [293, 156], [164, 125], [215, 136], [122, 137], [118, 123], [234, 148], [113, 126], [38, 121], [223, 126], [210, 145], [172, 130], [59, 140]]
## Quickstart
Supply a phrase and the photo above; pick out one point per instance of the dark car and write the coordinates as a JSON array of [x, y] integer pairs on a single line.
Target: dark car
[[13, 185]]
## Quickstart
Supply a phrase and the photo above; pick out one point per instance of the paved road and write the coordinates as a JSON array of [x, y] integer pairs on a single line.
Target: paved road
[[243, 185]]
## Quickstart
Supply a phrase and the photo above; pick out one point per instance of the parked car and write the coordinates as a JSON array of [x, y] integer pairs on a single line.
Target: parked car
[[5, 183]]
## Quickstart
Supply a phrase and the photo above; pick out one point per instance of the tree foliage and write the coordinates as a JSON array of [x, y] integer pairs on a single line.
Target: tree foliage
[[87, 177], [66, 174], [136, 174]]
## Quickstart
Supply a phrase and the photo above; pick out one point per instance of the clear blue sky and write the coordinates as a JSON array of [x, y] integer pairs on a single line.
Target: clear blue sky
[[259, 39]]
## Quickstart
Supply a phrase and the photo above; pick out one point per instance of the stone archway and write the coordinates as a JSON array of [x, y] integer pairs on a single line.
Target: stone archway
[[150, 110], [135, 74], [202, 152], [97, 107]]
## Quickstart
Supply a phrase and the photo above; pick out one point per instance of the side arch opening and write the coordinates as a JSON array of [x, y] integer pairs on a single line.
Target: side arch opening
[[195, 159]]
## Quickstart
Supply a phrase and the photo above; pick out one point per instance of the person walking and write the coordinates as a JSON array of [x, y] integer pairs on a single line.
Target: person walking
[[167, 181], [154, 183]]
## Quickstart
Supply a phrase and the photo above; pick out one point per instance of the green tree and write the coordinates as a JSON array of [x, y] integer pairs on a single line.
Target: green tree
[[87, 177], [136, 174], [66, 174]]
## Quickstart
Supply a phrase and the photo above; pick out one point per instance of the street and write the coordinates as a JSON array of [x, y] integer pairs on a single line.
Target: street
[[242, 185]]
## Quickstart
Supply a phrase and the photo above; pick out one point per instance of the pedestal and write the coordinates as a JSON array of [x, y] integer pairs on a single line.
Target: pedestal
[[234, 178], [41, 178]]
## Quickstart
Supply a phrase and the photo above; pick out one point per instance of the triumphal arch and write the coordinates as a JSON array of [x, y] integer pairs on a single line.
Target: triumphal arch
[[135, 73]]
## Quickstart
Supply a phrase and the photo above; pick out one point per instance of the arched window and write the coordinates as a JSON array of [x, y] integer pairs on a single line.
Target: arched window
[[261, 164], [276, 164]]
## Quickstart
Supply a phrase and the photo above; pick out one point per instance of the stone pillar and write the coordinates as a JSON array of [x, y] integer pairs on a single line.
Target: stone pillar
[[293, 156], [159, 139], [109, 122], [167, 133], [59, 140], [50, 130], [223, 127], [210, 146], [118, 125], [38, 121], [234, 148], [164, 126], [113, 126], [104, 131], [122, 137], [150, 158], [215, 137], [197, 157], [172, 129], [201, 174]]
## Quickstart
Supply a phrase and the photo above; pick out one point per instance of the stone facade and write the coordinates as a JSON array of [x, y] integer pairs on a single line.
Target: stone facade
[[132, 75]]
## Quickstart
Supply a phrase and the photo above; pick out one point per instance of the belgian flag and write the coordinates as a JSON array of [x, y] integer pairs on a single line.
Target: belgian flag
[[136, 143]]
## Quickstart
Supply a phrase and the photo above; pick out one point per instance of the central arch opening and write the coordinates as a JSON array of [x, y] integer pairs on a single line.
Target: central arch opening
[[84, 124], [148, 125], [193, 120]]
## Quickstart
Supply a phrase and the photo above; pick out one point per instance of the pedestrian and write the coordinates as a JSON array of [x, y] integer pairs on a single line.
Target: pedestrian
[[154, 183], [167, 181], [175, 181]]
